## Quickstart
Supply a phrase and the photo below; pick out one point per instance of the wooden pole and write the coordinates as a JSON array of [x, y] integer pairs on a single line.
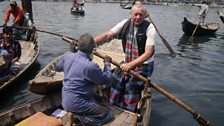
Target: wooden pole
[[27, 8], [172, 53], [192, 36]]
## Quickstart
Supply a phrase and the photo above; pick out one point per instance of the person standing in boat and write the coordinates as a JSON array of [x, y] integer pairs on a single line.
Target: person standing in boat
[[18, 15], [137, 35], [80, 77], [75, 5], [202, 12]]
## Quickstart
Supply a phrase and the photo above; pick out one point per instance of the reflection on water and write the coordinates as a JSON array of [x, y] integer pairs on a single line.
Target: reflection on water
[[185, 40]]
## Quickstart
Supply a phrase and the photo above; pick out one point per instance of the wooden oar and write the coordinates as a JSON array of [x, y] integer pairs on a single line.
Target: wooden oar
[[163, 39], [40, 30], [192, 36], [202, 121]]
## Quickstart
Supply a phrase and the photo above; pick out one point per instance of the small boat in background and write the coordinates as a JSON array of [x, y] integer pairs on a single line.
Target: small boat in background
[[126, 6], [79, 11], [202, 30], [77, 8], [221, 15]]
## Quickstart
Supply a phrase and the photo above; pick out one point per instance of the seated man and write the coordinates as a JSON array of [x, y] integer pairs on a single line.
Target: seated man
[[13, 48], [80, 76]]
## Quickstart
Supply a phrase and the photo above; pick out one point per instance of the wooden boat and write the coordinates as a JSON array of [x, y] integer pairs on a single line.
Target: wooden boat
[[49, 103], [80, 12], [202, 30], [30, 51], [48, 80], [221, 15], [126, 5]]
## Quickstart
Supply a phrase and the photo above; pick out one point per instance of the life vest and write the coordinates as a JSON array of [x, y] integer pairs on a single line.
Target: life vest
[[140, 35]]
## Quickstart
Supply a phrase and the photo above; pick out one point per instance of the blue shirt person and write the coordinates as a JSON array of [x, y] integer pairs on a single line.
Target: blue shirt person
[[80, 77]]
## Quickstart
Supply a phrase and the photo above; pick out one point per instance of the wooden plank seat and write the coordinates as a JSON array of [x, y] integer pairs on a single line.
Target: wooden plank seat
[[121, 118]]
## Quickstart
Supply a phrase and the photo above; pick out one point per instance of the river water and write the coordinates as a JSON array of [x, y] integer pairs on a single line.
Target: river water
[[195, 75]]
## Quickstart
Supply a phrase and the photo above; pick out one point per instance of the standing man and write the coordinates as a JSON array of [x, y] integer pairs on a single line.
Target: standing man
[[202, 12], [137, 36], [80, 76], [17, 13]]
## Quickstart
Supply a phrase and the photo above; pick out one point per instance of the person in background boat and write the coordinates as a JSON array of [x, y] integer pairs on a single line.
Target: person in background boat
[[4, 60], [13, 49], [78, 6], [27, 23], [75, 6], [137, 35], [18, 15], [4, 64], [80, 77], [202, 12]]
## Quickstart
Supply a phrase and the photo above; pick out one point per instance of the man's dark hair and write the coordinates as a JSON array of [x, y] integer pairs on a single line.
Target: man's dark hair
[[86, 43], [204, 2], [13, 4]]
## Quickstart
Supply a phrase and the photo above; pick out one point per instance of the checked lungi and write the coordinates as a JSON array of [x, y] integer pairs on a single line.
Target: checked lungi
[[126, 92], [95, 115]]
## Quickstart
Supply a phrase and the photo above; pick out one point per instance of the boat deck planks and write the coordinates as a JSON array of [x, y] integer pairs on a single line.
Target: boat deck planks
[[45, 104], [122, 117], [27, 48]]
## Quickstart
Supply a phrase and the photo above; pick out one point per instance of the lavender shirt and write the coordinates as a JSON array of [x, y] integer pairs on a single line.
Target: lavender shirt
[[80, 76]]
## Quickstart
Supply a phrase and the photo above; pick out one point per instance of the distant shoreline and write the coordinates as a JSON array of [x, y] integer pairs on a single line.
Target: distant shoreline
[[212, 5]]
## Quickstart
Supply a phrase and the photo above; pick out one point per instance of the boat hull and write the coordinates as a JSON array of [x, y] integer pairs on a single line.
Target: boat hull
[[221, 15], [30, 52], [188, 28], [77, 12]]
